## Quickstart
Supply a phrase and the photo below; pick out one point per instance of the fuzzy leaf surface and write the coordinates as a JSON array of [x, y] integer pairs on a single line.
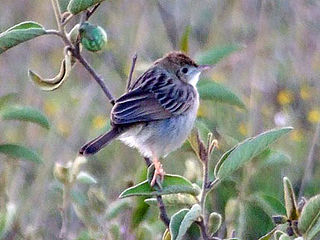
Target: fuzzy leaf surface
[[175, 222], [171, 184], [17, 151], [309, 221], [77, 6], [215, 54], [210, 90], [189, 218], [23, 113], [246, 150], [20, 33]]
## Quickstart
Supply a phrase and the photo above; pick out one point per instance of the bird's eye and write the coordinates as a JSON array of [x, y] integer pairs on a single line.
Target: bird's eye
[[184, 70]]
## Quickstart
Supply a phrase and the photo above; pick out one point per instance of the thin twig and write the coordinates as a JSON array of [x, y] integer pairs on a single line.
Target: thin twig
[[204, 185], [66, 17], [133, 64], [148, 161], [64, 212], [203, 228], [162, 208], [310, 161], [90, 12], [163, 212], [93, 73], [57, 13]]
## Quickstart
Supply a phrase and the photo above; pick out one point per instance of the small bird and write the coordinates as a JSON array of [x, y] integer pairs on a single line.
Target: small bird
[[157, 113]]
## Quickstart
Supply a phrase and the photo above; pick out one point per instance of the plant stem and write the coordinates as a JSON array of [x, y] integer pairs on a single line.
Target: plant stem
[[163, 212], [203, 230], [162, 208], [133, 64], [57, 13], [204, 185], [64, 211], [90, 12], [93, 73]]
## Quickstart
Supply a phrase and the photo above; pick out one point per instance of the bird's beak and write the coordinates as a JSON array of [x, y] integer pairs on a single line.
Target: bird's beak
[[204, 67]]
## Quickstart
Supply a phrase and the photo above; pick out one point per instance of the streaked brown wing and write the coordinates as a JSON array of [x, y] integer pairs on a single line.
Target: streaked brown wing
[[156, 98]]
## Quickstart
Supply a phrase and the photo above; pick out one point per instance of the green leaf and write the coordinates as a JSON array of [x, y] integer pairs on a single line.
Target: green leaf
[[284, 237], [17, 151], [215, 54], [86, 178], [76, 6], [290, 200], [24, 114], [20, 33], [215, 221], [184, 42], [50, 84], [175, 222], [117, 207], [203, 129], [245, 151], [271, 205], [273, 158], [63, 4], [210, 90], [268, 235], [310, 217], [277, 234], [189, 218], [174, 200], [224, 157], [171, 184], [4, 100]]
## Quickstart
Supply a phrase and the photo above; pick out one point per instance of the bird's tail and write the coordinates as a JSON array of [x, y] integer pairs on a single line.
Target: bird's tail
[[98, 143]]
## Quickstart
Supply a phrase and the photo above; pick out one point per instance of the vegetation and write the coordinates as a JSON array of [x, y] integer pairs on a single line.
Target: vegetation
[[230, 180]]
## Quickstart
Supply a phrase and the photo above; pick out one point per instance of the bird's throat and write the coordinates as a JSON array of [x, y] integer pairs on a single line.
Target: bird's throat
[[194, 80]]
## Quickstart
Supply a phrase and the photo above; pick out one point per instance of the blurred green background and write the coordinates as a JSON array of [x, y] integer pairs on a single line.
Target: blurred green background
[[275, 72]]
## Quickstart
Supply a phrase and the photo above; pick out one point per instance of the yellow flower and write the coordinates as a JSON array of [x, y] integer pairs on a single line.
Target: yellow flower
[[243, 129], [99, 122], [50, 108], [314, 116], [285, 97], [296, 135], [305, 92]]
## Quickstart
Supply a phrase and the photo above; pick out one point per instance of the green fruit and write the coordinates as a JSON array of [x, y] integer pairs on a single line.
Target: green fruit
[[93, 37]]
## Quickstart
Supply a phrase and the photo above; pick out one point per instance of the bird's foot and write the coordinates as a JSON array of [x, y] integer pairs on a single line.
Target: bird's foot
[[157, 172]]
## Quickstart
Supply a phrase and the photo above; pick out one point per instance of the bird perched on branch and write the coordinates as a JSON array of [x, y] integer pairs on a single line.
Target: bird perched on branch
[[157, 113]]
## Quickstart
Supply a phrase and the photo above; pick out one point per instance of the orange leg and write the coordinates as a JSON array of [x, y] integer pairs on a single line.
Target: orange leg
[[158, 171]]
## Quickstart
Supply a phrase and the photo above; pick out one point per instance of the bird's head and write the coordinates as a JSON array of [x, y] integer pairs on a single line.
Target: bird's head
[[182, 66]]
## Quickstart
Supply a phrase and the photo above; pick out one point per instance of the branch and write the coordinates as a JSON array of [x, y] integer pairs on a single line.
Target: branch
[[162, 208], [133, 64], [57, 13], [203, 230], [90, 12], [163, 212], [93, 73]]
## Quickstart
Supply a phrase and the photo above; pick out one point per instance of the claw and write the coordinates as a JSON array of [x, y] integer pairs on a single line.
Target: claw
[[157, 172]]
